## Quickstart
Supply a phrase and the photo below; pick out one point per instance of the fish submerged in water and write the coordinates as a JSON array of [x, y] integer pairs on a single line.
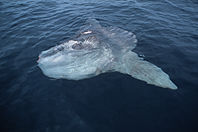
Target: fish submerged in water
[[98, 50]]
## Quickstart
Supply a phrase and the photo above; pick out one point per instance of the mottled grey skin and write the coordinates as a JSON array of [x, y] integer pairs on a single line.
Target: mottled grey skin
[[97, 50]]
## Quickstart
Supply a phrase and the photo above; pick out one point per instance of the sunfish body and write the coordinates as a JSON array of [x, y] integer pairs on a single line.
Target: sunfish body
[[97, 50]]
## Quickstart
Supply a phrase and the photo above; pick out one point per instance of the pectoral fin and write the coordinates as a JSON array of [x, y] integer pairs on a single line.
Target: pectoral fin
[[143, 70]]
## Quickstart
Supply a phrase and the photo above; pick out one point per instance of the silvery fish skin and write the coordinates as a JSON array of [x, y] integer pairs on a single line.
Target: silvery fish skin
[[97, 50]]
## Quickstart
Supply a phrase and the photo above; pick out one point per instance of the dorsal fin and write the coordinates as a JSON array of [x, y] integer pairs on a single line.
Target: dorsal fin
[[121, 37]]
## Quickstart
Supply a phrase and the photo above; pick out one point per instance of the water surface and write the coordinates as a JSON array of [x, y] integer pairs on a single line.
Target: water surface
[[167, 33]]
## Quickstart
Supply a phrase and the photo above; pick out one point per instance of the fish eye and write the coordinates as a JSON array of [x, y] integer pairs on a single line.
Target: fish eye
[[77, 46], [60, 48]]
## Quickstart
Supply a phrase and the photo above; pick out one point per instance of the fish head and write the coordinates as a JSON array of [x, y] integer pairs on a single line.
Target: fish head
[[73, 59]]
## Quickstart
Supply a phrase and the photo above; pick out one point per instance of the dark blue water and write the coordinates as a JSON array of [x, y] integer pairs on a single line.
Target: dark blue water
[[167, 33]]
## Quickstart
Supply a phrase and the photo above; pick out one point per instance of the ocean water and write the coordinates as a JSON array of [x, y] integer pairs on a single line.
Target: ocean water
[[167, 33]]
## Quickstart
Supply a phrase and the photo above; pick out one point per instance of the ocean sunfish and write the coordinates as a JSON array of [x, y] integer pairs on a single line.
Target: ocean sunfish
[[96, 50]]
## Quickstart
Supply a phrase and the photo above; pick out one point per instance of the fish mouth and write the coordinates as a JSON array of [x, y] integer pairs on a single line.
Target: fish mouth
[[51, 52], [38, 59]]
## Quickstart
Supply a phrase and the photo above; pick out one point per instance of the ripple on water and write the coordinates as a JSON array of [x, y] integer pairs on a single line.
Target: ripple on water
[[167, 33]]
